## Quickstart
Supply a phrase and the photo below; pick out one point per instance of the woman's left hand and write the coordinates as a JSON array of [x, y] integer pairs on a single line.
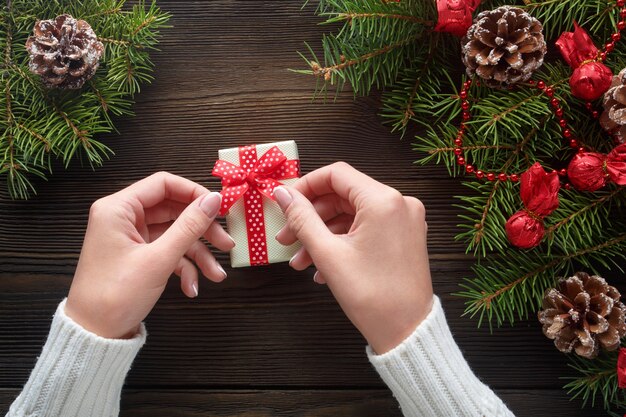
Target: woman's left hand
[[135, 239]]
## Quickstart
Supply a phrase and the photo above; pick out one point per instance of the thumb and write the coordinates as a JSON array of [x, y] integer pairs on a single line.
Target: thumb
[[192, 223], [303, 220]]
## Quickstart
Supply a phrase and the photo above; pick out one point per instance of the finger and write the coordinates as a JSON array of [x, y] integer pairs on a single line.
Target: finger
[[198, 253], [304, 221], [156, 230], [343, 180], [207, 263], [163, 186], [188, 277], [165, 211], [327, 206], [218, 237], [339, 225], [170, 210], [192, 223], [318, 278]]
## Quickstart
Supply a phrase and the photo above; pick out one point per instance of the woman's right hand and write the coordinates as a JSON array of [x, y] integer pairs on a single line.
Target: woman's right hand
[[368, 243]]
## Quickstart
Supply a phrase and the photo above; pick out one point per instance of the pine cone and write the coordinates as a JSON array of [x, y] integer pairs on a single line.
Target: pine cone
[[583, 313], [504, 47], [64, 51], [613, 119]]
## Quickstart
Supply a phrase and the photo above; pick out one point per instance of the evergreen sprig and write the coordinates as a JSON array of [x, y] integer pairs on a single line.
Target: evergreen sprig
[[38, 125], [597, 382]]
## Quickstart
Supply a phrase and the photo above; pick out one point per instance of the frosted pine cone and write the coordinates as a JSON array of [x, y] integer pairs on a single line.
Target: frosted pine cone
[[613, 119], [504, 47], [583, 313], [64, 51]]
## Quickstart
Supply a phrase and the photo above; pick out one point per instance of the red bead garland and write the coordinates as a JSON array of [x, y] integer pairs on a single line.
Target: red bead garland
[[555, 103]]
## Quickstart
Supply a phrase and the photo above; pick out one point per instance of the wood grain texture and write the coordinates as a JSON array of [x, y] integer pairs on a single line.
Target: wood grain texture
[[267, 342], [303, 403]]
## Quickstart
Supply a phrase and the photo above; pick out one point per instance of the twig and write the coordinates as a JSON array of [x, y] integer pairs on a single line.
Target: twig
[[497, 117], [35, 134], [321, 71], [105, 12], [105, 106], [408, 111], [80, 134], [350, 16], [120, 42], [488, 300], [144, 24], [472, 148], [599, 201]]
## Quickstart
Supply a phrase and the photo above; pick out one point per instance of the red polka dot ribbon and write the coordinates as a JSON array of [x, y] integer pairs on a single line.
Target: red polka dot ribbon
[[251, 180]]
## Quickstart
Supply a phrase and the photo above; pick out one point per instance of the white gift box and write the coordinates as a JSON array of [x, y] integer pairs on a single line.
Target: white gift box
[[254, 233]]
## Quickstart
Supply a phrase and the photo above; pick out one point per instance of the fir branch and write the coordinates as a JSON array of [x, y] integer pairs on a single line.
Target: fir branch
[[143, 24], [618, 191], [497, 292], [472, 148], [350, 16], [81, 135], [597, 381], [36, 135], [322, 71], [120, 42]]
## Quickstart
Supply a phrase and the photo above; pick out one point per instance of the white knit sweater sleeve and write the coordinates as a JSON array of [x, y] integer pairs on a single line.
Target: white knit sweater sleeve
[[78, 373], [429, 376]]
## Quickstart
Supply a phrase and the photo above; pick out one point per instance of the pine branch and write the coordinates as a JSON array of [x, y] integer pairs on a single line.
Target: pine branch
[[37, 124], [513, 284], [374, 43], [597, 382], [351, 16]]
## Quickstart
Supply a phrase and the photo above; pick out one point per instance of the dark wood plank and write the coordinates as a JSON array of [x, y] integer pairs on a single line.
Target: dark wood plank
[[259, 326], [312, 403]]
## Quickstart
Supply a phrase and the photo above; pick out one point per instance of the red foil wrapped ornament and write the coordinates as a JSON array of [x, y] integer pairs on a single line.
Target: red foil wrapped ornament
[[621, 368], [540, 195], [591, 78], [591, 171], [455, 16]]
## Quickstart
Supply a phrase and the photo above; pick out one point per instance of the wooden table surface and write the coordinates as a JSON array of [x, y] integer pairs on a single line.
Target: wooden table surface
[[268, 341]]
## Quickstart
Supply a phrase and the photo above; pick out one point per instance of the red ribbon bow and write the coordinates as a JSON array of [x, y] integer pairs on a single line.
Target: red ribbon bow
[[455, 16], [260, 174], [591, 171], [590, 78], [621, 368], [540, 195]]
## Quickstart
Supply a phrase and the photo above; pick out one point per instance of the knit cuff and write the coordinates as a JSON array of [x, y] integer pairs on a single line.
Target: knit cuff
[[78, 373], [429, 376]]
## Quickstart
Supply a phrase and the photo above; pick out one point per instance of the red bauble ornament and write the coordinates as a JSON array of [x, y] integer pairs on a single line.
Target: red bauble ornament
[[524, 231], [591, 171], [540, 194], [590, 78]]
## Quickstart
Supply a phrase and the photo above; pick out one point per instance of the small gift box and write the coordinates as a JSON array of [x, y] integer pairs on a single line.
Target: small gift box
[[249, 175]]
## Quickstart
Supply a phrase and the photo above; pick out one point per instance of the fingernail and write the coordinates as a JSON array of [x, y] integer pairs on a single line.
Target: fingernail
[[232, 240], [210, 204], [222, 270], [283, 197], [316, 277], [293, 257], [195, 289], [279, 232]]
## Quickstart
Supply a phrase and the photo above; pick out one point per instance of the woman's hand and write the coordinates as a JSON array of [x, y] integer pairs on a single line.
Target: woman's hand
[[368, 243], [135, 239]]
